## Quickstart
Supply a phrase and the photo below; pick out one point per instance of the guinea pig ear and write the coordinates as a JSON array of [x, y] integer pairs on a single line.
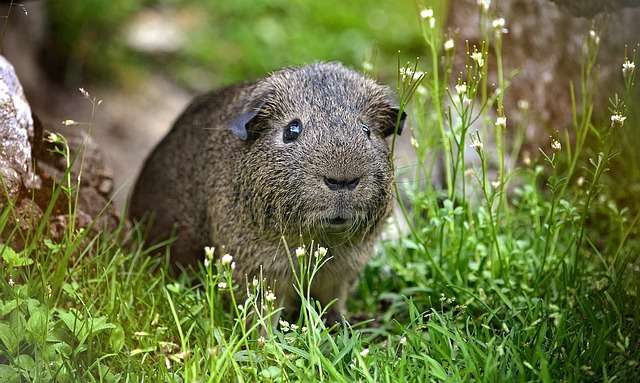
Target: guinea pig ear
[[391, 119], [240, 125]]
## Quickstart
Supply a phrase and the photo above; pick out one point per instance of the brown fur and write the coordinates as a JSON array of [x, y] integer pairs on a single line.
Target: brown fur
[[216, 188]]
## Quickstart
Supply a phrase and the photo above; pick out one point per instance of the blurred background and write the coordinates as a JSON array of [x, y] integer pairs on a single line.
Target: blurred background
[[146, 59]]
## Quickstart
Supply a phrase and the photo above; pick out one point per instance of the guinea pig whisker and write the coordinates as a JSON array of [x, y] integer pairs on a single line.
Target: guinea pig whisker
[[406, 180]]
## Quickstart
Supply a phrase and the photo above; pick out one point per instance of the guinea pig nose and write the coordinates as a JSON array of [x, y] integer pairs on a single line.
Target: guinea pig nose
[[335, 184]]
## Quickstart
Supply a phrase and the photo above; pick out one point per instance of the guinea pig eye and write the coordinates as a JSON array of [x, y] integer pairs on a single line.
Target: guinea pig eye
[[366, 130], [292, 131]]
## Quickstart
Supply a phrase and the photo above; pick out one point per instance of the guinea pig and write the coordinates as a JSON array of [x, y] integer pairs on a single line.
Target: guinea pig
[[297, 157]]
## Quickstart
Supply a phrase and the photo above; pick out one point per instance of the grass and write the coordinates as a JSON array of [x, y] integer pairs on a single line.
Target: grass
[[526, 273]]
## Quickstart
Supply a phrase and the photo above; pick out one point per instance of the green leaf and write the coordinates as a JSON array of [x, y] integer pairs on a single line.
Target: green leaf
[[63, 349], [55, 248], [8, 337], [26, 363], [8, 307], [13, 333], [83, 328], [37, 325], [116, 339], [33, 304], [271, 372], [12, 258], [8, 374], [73, 323], [48, 352], [436, 369], [100, 324]]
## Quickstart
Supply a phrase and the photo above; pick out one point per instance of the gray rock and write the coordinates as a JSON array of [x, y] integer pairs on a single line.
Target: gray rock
[[16, 132], [543, 51]]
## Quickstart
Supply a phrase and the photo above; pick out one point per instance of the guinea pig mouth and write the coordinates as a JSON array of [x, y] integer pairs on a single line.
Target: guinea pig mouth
[[337, 223]]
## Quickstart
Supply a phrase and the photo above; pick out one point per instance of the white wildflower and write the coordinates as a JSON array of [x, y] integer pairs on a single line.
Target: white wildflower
[[466, 101], [495, 185], [208, 251], [261, 341], [284, 326], [69, 122], [294, 327], [501, 122], [461, 88], [207, 262], [226, 259], [233, 265], [222, 285], [409, 72], [476, 143], [628, 66], [270, 296], [255, 282], [449, 45], [322, 251], [556, 145], [414, 143], [580, 181], [303, 329], [594, 36], [403, 340], [11, 282], [300, 252], [499, 26], [364, 352], [484, 4], [426, 13], [478, 58], [84, 92], [53, 138], [617, 119]]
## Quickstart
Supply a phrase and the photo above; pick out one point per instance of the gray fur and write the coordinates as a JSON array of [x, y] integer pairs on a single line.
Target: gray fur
[[243, 190]]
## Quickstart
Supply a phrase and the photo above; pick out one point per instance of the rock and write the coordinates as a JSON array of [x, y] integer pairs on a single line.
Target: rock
[[94, 207], [30, 188], [16, 130], [544, 44]]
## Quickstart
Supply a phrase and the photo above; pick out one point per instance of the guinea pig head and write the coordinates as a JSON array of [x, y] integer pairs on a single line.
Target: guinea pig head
[[315, 157]]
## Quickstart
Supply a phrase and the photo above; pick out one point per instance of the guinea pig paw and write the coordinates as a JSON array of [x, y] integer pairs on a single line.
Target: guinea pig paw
[[334, 317]]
